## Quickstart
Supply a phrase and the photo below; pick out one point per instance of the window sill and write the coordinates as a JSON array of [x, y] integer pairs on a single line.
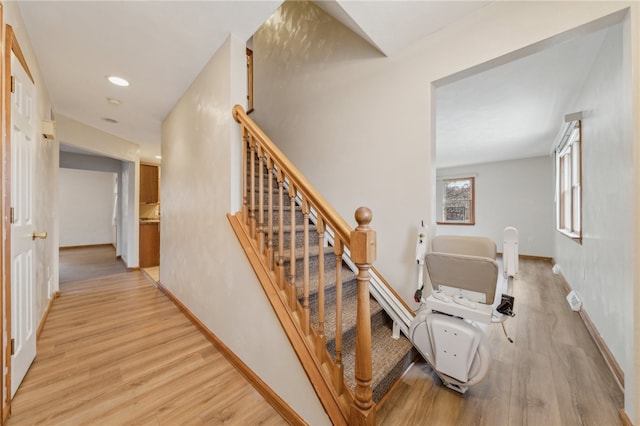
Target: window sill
[[571, 235], [457, 223]]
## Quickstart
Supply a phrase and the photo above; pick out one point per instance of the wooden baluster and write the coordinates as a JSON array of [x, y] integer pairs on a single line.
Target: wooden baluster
[[245, 177], [270, 213], [260, 228], [306, 317], [280, 267], [252, 189], [292, 249], [338, 380], [322, 339], [363, 253]]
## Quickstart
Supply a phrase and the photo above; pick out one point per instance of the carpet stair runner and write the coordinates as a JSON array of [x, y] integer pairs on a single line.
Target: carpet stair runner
[[390, 357]]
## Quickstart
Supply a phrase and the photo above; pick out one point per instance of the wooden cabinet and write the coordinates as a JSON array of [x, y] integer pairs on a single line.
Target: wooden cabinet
[[149, 244], [149, 251], [149, 184]]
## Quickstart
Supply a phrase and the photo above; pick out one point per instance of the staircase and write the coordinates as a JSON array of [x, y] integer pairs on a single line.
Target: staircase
[[297, 244], [390, 357]]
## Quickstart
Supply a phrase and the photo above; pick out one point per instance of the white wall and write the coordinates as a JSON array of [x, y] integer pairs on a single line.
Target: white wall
[[510, 193], [80, 135], [86, 203], [349, 118], [202, 262], [72, 160], [74, 133], [343, 113], [601, 269]]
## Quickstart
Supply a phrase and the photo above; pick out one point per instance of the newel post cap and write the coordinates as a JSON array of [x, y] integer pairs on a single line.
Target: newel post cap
[[363, 238]]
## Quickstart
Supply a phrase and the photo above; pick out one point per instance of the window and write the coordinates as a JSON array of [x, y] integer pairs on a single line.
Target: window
[[456, 203], [569, 182]]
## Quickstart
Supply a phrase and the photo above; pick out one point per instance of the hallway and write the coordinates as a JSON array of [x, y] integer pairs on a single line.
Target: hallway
[[115, 350]]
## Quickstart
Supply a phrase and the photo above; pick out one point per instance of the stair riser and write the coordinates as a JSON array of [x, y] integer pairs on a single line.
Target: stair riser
[[329, 268], [286, 217], [381, 323], [265, 200], [299, 239], [348, 338]]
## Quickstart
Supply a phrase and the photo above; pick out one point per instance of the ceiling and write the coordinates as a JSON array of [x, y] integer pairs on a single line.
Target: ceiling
[[161, 46], [158, 46], [514, 110]]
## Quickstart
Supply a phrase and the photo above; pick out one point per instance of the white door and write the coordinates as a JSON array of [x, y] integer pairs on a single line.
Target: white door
[[23, 324]]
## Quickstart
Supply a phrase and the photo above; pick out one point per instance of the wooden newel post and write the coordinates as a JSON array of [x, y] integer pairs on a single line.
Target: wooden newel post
[[363, 253]]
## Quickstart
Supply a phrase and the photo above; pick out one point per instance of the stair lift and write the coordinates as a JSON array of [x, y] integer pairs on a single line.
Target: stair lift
[[448, 330]]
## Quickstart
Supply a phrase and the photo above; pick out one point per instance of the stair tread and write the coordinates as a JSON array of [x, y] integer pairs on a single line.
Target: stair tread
[[347, 276], [349, 305], [388, 355], [313, 251]]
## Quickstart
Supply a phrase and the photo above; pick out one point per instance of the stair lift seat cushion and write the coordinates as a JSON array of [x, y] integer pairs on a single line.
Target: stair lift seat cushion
[[470, 246], [472, 273]]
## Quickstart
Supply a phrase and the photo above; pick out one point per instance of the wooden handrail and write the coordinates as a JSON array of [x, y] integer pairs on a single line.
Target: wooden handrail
[[340, 227], [264, 161]]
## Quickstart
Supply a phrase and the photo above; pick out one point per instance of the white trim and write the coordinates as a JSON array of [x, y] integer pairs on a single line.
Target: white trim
[[561, 139]]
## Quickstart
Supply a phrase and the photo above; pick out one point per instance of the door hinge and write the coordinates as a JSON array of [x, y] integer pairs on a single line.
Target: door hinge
[[12, 215], [13, 346], [13, 84]]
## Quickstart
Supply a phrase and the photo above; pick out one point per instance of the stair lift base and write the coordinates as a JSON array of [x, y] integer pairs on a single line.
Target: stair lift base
[[449, 329], [456, 349]]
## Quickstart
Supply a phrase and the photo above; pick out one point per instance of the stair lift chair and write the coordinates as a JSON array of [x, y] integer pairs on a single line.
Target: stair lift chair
[[448, 330]]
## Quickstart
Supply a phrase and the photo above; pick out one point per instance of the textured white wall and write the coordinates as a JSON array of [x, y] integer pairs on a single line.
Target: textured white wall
[[345, 114], [510, 193], [86, 200], [601, 269], [349, 118], [74, 133], [202, 261]]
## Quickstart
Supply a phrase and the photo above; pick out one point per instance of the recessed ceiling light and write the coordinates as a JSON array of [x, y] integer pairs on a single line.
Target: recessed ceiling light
[[118, 81], [159, 157], [110, 120], [114, 101]]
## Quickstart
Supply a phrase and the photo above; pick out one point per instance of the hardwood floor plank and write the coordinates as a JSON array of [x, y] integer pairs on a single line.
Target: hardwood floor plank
[[116, 351], [474, 408], [589, 401], [412, 401], [552, 375], [534, 399], [88, 262]]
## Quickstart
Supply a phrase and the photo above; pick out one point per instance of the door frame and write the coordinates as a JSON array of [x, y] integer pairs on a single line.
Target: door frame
[[11, 46]]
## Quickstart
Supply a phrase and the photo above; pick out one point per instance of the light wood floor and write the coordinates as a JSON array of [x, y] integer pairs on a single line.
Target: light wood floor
[[83, 263], [153, 273], [552, 375], [116, 351]]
